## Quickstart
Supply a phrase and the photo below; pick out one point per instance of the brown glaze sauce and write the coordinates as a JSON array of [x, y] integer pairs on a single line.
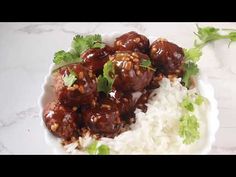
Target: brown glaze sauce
[[80, 108]]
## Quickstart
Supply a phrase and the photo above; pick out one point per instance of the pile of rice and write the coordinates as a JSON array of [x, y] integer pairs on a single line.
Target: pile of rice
[[156, 131]]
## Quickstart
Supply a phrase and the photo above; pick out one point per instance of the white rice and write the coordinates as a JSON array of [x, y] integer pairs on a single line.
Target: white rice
[[156, 131]]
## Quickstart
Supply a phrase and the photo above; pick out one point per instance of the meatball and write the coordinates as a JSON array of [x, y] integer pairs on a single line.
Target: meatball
[[132, 41], [82, 91], [95, 58], [104, 119], [167, 57], [129, 75], [61, 121], [124, 101]]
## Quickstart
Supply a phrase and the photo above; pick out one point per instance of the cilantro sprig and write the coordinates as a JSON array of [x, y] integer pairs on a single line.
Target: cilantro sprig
[[188, 128], [106, 80], [79, 45], [192, 55], [188, 123], [95, 149]]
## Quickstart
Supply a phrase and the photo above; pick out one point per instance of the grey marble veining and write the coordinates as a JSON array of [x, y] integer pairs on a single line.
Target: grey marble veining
[[26, 51]]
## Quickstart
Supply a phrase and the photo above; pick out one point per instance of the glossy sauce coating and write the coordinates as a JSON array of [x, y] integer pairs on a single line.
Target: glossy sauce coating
[[130, 76], [104, 119], [83, 91], [80, 106], [132, 41], [94, 59], [61, 121], [167, 57]]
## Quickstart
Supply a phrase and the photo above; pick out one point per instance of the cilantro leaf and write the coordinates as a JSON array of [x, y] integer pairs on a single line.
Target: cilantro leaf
[[193, 54], [106, 81], [102, 85], [189, 128], [199, 100], [109, 72], [207, 34], [94, 149], [191, 69], [62, 56], [70, 79], [98, 45], [82, 43], [103, 150], [146, 63], [187, 104], [232, 37], [79, 45]]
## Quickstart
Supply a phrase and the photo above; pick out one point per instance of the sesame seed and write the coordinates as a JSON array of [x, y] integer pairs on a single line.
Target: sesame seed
[[154, 49], [106, 106], [135, 54], [125, 99], [137, 40], [81, 75], [75, 86], [74, 108], [128, 65], [136, 60], [54, 127], [90, 74], [138, 72], [70, 88], [81, 89], [118, 43]]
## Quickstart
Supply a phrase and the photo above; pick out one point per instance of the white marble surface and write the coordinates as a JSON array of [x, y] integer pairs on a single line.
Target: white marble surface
[[26, 52]]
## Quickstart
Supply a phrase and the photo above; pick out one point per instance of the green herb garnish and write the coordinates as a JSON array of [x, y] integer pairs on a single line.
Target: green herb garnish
[[70, 79], [199, 100], [187, 104], [192, 55], [146, 63], [82, 43], [79, 45], [189, 128], [106, 80], [191, 69], [94, 149]]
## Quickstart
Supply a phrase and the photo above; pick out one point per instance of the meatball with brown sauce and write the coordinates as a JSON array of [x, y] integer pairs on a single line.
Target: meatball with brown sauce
[[61, 121], [124, 101], [167, 57], [104, 119], [95, 58], [132, 41], [82, 91], [129, 74]]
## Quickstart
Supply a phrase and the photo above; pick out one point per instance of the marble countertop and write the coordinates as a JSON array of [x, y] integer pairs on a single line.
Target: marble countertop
[[26, 52]]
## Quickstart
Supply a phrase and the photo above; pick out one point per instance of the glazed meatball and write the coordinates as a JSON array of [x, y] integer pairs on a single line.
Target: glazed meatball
[[167, 57], [132, 41], [124, 101], [104, 119], [94, 59], [61, 121], [82, 91], [129, 75]]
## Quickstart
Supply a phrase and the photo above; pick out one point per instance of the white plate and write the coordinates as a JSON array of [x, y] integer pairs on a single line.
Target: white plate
[[203, 85]]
